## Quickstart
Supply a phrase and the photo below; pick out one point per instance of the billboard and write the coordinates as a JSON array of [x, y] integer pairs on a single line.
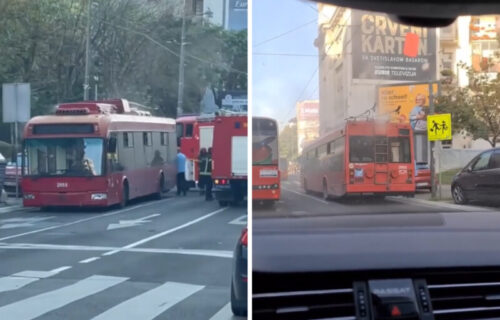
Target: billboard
[[386, 50], [307, 122], [408, 102], [237, 14]]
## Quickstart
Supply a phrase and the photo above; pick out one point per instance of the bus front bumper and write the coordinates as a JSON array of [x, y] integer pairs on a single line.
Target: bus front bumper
[[66, 199]]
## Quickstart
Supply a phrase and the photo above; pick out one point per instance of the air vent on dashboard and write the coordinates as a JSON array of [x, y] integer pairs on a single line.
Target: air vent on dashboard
[[465, 295], [334, 304]]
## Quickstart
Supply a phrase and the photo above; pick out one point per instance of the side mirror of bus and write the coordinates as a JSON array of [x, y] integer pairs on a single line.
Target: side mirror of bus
[[112, 145]]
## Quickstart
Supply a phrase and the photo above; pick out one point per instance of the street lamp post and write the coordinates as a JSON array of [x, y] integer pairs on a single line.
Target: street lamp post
[[86, 86], [180, 92]]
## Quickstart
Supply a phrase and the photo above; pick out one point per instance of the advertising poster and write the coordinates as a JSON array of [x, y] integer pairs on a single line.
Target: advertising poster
[[406, 102], [386, 50]]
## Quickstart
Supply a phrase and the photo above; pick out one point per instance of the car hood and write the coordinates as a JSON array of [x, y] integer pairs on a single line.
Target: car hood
[[379, 241]]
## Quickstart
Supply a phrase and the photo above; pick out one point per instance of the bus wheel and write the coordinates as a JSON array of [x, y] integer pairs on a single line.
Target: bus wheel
[[223, 203], [326, 196], [125, 195]]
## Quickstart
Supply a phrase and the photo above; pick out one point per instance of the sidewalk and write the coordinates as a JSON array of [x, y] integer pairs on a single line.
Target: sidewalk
[[11, 204], [443, 193]]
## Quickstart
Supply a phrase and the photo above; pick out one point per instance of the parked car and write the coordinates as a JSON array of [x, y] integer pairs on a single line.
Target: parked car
[[422, 176], [10, 175], [239, 281], [479, 180]]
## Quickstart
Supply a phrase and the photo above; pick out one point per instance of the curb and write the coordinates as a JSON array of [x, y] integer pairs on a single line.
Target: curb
[[443, 205]]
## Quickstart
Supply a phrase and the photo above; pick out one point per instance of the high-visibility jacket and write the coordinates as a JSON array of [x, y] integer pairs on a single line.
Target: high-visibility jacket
[[206, 166]]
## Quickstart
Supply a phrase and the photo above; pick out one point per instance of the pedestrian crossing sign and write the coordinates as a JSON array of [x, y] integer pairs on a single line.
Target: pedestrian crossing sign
[[439, 127]]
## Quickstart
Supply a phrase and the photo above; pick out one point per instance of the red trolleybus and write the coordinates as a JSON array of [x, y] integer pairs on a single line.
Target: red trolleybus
[[194, 133], [265, 170], [97, 154], [361, 157]]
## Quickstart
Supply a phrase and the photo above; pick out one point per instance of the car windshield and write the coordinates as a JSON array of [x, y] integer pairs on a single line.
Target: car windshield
[[375, 115], [64, 157]]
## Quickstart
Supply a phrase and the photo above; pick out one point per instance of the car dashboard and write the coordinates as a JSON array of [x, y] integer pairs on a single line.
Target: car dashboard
[[442, 266]]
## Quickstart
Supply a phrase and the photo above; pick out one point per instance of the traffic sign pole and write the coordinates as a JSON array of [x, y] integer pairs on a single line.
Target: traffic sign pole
[[432, 144]]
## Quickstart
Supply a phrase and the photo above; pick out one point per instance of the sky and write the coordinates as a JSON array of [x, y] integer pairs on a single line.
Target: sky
[[279, 81]]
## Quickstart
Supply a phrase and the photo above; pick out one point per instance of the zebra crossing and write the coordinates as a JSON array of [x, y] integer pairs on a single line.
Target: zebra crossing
[[149, 304]]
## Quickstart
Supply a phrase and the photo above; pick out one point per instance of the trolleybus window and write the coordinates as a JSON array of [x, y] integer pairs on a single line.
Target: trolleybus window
[[64, 156], [361, 149], [399, 150]]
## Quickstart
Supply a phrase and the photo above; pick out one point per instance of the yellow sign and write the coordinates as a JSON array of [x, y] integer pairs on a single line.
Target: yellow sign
[[439, 127], [406, 103]]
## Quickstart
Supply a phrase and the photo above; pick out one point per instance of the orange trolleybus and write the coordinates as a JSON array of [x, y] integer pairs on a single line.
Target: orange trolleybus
[[265, 164], [361, 157], [97, 153]]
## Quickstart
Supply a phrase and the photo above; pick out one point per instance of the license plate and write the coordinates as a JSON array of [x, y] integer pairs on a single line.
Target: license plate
[[358, 173], [9, 183], [422, 184]]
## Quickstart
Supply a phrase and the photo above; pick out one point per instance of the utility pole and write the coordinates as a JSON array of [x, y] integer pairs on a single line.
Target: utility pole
[[180, 92], [432, 144], [86, 86]]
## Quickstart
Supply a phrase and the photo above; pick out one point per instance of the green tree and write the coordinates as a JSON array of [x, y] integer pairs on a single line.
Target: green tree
[[475, 108], [134, 52], [288, 142]]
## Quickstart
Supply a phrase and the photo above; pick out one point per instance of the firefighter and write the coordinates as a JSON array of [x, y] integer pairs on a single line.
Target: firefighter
[[206, 171]]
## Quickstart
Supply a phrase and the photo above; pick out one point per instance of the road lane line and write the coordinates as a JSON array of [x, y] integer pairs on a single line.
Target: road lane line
[[194, 252], [23, 278], [434, 204], [223, 314], [300, 194], [151, 303], [82, 220], [164, 233], [41, 304], [90, 260]]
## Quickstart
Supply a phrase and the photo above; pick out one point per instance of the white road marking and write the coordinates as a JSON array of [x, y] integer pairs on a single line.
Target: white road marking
[[195, 252], [82, 220], [164, 233], [21, 279], [13, 283], [21, 222], [41, 274], [131, 223], [151, 303], [90, 260], [38, 305], [241, 220], [299, 212], [300, 194], [224, 314]]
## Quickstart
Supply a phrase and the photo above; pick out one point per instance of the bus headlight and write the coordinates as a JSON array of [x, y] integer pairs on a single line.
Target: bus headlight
[[29, 196], [99, 196]]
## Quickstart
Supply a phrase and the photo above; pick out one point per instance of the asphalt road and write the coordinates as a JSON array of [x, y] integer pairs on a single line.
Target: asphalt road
[[166, 259], [296, 203]]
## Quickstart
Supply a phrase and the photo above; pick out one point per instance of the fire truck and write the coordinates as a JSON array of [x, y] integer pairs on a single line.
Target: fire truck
[[194, 132], [229, 158]]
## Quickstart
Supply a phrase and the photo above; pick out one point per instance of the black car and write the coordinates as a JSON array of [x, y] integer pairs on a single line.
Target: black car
[[239, 281], [479, 180]]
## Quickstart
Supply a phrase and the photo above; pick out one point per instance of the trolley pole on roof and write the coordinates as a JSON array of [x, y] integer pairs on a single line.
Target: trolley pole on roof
[[86, 86], [180, 92]]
